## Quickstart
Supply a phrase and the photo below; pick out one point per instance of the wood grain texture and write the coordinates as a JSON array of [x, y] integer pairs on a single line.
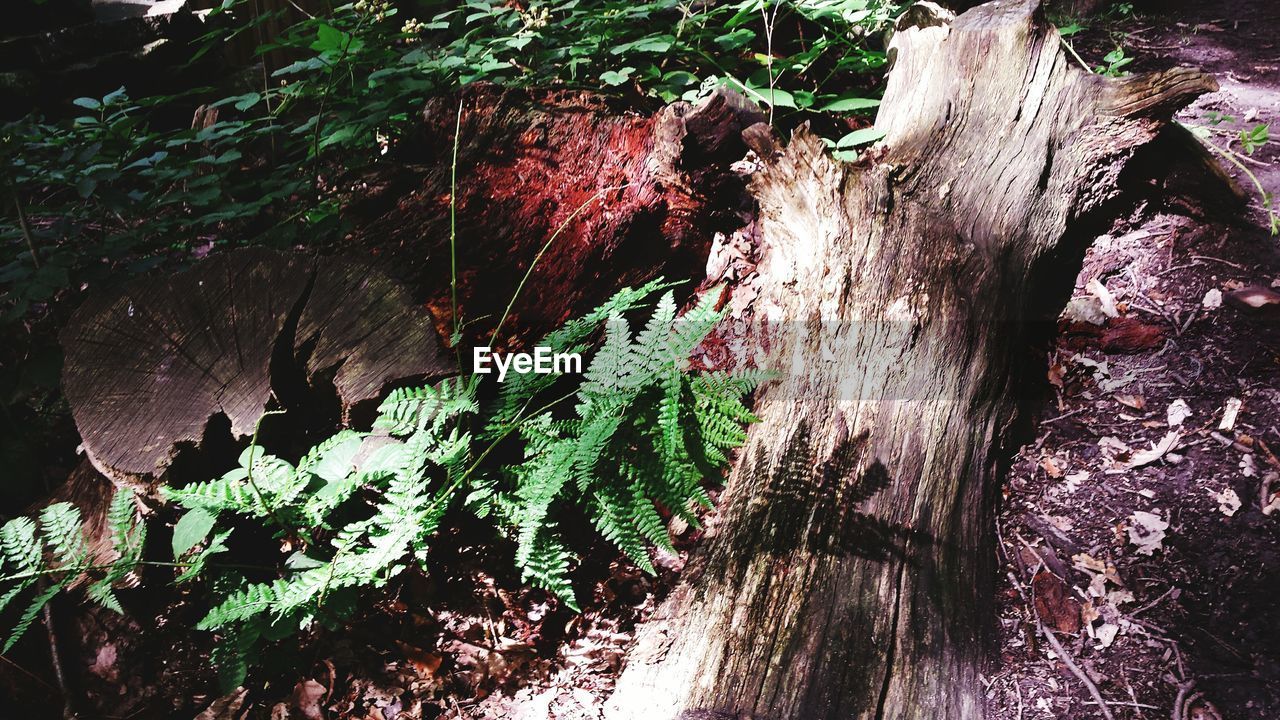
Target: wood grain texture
[[849, 573], [148, 365]]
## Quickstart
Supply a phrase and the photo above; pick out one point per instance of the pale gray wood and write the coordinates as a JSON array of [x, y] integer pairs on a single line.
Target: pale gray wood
[[849, 574]]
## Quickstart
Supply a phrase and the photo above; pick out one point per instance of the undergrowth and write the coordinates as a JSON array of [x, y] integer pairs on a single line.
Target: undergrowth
[[627, 445], [282, 145]]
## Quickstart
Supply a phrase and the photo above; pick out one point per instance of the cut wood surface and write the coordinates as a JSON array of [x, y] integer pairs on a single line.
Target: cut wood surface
[[149, 365], [849, 573]]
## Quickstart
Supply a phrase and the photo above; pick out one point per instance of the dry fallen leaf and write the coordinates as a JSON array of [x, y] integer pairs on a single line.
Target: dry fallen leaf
[[1137, 402], [1228, 501], [1085, 310], [1269, 501], [1157, 451], [1106, 302], [1212, 299], [224, 708], [1229, 413], [1147, 531], [307, 696], [1050, 466], [1253, 297], [1088, 563], [1177, 412], [1106, 634], [1248, 467]]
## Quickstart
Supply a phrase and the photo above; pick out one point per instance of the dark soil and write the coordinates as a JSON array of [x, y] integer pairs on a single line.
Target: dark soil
[[1189, 630]]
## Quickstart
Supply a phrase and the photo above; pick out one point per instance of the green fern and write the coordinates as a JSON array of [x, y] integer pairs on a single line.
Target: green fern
[[645, 434], [50, 556], [632, 450]]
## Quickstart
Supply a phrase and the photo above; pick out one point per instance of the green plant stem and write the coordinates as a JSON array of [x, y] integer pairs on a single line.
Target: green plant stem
[[257, 493], [545, 246], [324, 97], [25, 227], [1230, 157], [80, 569], [453, 232], [1072, 51], [55, 659], [448, 491]]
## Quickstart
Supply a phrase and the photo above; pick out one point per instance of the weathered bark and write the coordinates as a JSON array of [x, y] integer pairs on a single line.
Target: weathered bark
[[849, 573], [149, 366], [627, 193]]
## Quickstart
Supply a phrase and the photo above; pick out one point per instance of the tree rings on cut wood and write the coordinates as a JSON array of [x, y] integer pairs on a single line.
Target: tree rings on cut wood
[[150, 364]]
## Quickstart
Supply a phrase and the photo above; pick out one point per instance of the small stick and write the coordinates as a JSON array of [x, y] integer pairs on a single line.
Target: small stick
[[68, 712], [1065, 656], [1064, 416], [1220, 260], [1153, 603]]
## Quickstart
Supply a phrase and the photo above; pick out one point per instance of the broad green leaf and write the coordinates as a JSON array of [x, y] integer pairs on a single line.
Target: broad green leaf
[[859, 137], [850, 104], [191, 530]]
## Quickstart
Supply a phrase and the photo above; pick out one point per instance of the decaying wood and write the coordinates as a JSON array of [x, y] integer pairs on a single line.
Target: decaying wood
[[849, 574], [628, 193], [148, 366]]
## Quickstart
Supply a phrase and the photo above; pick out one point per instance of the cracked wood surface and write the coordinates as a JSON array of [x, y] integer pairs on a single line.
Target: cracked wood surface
[[149, 365], [848, 575]]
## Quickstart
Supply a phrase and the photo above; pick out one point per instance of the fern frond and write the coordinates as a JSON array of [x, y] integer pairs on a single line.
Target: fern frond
[[409, 409], [611, 513], [28, 616], [548, 568], [520, 389], [63, 533], [23, 557]]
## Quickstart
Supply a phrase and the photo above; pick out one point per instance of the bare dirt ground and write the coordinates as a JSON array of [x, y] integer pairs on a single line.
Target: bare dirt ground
[[1143, 525]]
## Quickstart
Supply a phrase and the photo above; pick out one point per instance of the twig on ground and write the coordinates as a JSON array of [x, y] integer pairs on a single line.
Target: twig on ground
[[1063, 655], [1153, 603], [1064, 416], [55, 659], [1218, 260]]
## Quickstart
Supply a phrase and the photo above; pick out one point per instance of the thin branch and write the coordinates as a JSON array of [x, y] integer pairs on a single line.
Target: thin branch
[[1062, 653]]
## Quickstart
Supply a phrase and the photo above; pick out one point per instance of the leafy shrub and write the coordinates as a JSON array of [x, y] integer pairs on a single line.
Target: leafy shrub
[[279, 161], [361, 507]]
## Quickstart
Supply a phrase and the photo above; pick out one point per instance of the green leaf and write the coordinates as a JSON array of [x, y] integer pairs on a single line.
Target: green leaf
[[191, 530], [1254, 138], [616, 77], [331, 39], [850, 104], [859, 137], [247, 101]]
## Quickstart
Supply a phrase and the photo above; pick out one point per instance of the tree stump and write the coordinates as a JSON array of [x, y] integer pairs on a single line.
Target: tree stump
[[849, 575], [151, 364]]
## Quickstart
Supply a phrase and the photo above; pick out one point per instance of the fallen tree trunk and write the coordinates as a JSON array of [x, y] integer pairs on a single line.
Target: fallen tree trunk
[[591, 192], [849, 573]]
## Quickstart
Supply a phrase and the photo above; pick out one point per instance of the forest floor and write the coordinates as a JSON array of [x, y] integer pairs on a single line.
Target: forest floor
[[1161, 566]]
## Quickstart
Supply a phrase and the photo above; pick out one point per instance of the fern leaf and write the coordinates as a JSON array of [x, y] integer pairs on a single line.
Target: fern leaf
[[548, 568], [28, 616], [63, 533], [410, 409]]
